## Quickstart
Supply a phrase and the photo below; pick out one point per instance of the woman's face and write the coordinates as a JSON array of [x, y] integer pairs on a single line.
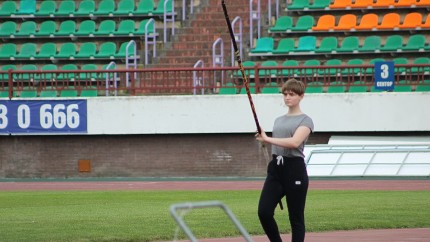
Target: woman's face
[[291, 98]]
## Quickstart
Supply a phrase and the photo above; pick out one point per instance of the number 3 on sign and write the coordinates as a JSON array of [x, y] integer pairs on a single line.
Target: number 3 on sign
[[385, 71]]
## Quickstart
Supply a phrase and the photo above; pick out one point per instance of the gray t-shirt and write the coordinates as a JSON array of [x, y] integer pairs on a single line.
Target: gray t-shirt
[[284, 127]]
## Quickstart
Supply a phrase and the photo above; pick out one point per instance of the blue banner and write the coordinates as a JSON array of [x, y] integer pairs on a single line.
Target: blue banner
[[43, 116], [384, 75]]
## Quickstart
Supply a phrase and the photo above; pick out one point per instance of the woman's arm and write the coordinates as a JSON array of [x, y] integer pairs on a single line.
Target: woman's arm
[[298, 138]]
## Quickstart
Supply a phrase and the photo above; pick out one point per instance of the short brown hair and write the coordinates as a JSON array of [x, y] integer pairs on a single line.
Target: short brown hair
[[294, 85]]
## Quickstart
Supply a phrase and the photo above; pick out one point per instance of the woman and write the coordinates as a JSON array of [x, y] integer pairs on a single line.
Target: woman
[[286, 173]]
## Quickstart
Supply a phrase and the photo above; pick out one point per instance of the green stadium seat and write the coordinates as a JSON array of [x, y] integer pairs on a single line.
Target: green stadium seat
[[304, 23], [299, 5], [66, 8], [314, 87], [126, 28], [336, 89], [87, 50], [263, 45], [421, 61], [125, 7], [8, 29], [282, 24], [402, 88], [400, 61], [290, 72], [47, 76], [145, 7], [310, 71], [47, 51], [88, 93], [67, 50], [48, 93], [248, 73], [68, 93], [47, 28], [141, 29], [84, 76], [160, 7], [353, 70], [251, 88], [415, 42], [320, 4], [229, 88], [122, 52], [306, 43], [327, 45], [358, 87], [268, 73], [105, 8], [107, 50], [106, 28], [5, 77], [26, 7], [349, 44], [8, 8], [46, 8], [66, 28], [27, 29], [67, 76], [27, 51], [394, 43], [371, 44], [331, 71], [4, 94], [271, 88], [28, 93], [422, 88], [285, 46], [86, 8], [86, 28], [27, 76], [8, 51]]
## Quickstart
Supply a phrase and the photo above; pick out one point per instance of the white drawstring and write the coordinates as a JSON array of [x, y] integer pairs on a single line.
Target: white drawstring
[[280, 160]]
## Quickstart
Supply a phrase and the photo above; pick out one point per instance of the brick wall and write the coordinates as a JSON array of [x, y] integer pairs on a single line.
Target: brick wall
[[173, 155]]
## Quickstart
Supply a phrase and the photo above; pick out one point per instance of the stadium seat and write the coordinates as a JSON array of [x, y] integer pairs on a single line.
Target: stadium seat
[[86, 28], [88, 93], [4, 77], [68, 93], [346, 22], [67, 76], [311, 71], [249, 73], [336, 89], [368, 21], [327, 45], [251, 88], [341, 4], [160, 7], [270, 88], [106, 28], [400, 61], [415, 42], [141, 29], [384, 4], [87, 50], [422, 88], [353, 70], [27, 51], [282, 24], [86, 8], [125, 7], [263, 45], [371, 44], [27, 76], [145, 7], [331, 71], [229, 88], [268, 73], [320, 4], [27, 29], [47, 51], [362, 4], [304, 23], [285, 46], [66, 8], [47, 28], [405, 3], [122, 51], [84, 76], [411, 21], [292, 72], [372, 62], [423, 3], [48, 93], [402, 88], [314, 87], [298, 5], [426, 23], [325, 23], [390, 21], [8, 51], [107, 50], [28, 93], [306, 43], [349, 44], [126, 28], [393, 43], [421, 61], [47, 76], [105, 8], [66, 28], [67, 50], [8, 8], [47, 8], [8, 29]]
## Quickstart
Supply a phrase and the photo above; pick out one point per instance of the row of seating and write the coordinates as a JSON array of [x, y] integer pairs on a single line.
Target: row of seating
[[354, 4], [68, 8], [49, 75], [51, 93], [348, 45], [69, 28], [68, 50], [349, 22]]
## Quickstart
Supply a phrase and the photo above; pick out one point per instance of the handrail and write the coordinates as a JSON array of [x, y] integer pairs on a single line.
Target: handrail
[[184, 6], [166, 18], [131, 61], [111, 66], [192, 205], [238, 38], [197, 80], [150, 38], [254, 15]]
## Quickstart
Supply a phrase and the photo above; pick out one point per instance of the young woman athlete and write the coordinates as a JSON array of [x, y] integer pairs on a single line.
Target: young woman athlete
[[286, 172]]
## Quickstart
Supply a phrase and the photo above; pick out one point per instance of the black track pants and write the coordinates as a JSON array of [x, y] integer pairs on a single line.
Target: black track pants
[[289, 179]]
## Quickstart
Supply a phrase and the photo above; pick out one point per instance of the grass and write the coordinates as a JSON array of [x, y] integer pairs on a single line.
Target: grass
[[144, 215]]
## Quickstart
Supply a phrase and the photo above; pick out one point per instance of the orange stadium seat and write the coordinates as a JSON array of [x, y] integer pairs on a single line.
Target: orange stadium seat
[[341, 4], [426, 23], [368, 22], [384, 4], [346, 22], [390, 21], [422, 3], [362, 4], [412, 21], [405, 3], [325, 23]]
